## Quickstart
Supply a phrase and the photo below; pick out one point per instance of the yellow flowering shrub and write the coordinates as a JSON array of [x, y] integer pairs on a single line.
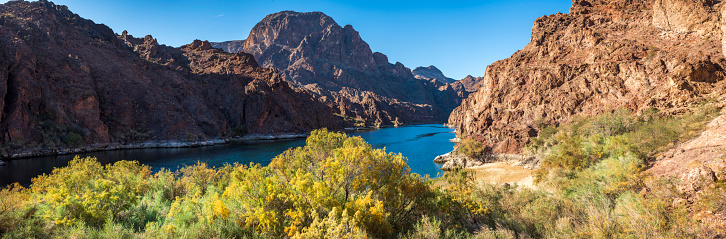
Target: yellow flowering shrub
[[87, 192], [332, 171]]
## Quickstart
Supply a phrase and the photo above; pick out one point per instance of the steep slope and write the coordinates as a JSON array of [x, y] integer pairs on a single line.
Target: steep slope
[[230, 46], [314, 52], [467, 85], [67, 82], [605, 54], [431, 72]]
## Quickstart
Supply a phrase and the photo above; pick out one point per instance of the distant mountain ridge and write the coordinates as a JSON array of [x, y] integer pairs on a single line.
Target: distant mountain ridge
[[467, 85], [431, 72], [229, 46], [313, 52]]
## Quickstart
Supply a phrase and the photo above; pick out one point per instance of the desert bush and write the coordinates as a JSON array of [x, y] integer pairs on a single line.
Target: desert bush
[[614, 134], [14, 198], [332, 171], [338, 186], [471, 148], [594, 168], [74, 140], [87, 192], [335, 225]]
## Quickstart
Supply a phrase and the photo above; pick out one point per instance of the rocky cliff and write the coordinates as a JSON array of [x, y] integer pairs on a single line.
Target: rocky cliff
[[230, 46], [67, 82], [467, 85], [604, 54], [431, 72], [313, 52]]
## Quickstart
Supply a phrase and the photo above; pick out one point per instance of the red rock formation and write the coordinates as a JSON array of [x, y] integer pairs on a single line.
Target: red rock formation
[[62, 76], [467, 85], [699, 164], [314, 52], [605, 54], [431, 72]]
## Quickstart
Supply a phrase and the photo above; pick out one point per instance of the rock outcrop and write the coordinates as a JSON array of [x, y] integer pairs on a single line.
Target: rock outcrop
[[230, 46], [66, 82], [699, 165], [605, 54], [452, 161], [687, 16], [431, 72], [467, 85], [313, 52]]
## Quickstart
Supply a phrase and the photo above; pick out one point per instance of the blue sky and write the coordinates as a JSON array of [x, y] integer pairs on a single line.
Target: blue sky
[[459, 37]]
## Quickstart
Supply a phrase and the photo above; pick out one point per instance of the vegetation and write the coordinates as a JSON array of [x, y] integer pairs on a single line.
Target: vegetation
[[338, 186], [348, 121], [335, 186], [57, 135], [615, 135], [74, 140], [239, 131], [471, 148]]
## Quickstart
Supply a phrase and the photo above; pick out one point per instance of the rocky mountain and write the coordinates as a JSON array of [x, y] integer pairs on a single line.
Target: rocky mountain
[[462, 87], [431, 72], [67, 82], [604, 54], [313, 52], [230, 46], [468, 84]]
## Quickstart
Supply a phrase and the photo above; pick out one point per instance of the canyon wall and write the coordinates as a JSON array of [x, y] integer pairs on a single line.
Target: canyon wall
[[66, 82], [603, 55]]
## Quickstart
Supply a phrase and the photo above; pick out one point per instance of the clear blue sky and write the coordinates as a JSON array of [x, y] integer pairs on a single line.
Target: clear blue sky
[[459, 37]]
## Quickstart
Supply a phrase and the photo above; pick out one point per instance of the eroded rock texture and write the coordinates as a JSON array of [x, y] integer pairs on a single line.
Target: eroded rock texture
[[313, 52], [605, 54], [230, 46], [63, 75], [431, 72]]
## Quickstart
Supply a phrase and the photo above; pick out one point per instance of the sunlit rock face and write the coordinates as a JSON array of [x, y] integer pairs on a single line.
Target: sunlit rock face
[[313, 52], [605, 54], [61, 74]]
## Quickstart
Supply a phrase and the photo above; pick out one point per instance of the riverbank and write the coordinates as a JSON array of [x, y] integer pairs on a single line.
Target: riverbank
[[501, 173], [40, 152], [494, 168], [418, 143], [454, 161]]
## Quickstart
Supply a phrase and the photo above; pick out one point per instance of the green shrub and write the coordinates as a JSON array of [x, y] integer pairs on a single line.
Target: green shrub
[[89, 193], [74, 140], [614, 134], [13, 201], [339, 186], [471, 148], [240, 130], [331, 171]]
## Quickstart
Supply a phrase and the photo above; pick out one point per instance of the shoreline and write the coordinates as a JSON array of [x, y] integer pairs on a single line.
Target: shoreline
[[497, 169], [31, 153], [452, 161], [23, 154]]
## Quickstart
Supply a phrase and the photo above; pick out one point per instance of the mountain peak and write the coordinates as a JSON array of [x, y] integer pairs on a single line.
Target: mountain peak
[[431, 72], [286, 29], [313, 51]]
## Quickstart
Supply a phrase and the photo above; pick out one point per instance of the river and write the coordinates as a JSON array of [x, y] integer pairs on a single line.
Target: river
[[419, 143]]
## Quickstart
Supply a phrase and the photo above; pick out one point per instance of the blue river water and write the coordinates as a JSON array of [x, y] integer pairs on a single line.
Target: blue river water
[[419, 143]]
